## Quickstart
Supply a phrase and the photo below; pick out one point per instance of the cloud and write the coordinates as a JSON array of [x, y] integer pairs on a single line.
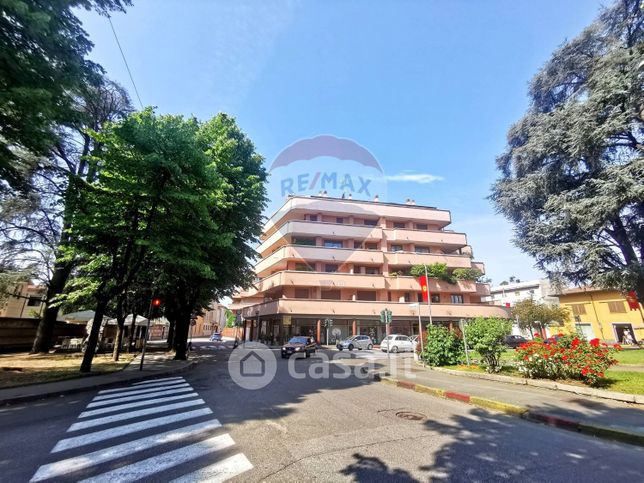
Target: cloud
[[420, 178]]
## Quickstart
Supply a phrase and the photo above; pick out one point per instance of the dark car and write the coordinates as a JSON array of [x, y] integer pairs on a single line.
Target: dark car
[[299, 345], [514, 341]]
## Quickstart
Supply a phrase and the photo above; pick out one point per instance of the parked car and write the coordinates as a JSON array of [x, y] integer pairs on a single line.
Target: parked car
[[397, 343], [356, 342], [216, 337], [299, 345], [514, 341]]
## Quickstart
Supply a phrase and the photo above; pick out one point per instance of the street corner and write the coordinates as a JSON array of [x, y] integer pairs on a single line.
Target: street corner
[[252, 365]]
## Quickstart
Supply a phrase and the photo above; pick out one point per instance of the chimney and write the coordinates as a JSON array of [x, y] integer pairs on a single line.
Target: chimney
[[376, 198]]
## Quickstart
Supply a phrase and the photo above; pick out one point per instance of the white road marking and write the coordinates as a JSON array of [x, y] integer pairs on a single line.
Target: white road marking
[[220, 471], [66, 466], [163, 379], [133, 414], [118, 431], [136, 397], [137, 404], [158, 463], [140, 390]]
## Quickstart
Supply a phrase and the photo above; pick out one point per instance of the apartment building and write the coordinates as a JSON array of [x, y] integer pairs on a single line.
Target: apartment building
[[26, 301], [346, 260], [509, 294]]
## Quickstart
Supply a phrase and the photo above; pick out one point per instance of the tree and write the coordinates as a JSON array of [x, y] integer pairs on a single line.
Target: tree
[[531, 315], [571, 178], [42, 65], [485, 336]]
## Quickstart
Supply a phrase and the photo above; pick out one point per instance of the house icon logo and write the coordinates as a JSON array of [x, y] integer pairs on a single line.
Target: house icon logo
[[252, 365]]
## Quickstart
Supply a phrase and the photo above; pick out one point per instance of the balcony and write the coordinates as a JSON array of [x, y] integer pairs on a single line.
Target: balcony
[[453, 239], [278, 260], [292, 278], [435, 286], [369, 310], [480, 266], [313, 229], [409, 258], [295, 206]]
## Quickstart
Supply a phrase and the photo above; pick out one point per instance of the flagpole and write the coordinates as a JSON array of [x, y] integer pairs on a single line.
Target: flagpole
[[429, 298]]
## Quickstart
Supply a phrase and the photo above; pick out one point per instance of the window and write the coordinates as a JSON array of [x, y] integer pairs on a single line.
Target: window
[[421, 249], [399, 224], [304, 267], [421, 226], [396, 248], [436, 299], [339, 220], [357, 245], [313, 217], [330, 268], [578, 309], [301, 293], [371, 246], [616, 307], [330, 295], [33, 301], [366, 295], [333, 243], [419, 297], [372, 271], [370, 222], [457, 298], [304, 241], [407, 297]]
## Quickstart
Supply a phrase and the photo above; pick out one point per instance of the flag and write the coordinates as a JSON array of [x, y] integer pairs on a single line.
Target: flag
[[423, 287], [631, 299]]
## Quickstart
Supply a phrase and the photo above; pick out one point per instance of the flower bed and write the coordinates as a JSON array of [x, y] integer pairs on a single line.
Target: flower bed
[[566, 357]]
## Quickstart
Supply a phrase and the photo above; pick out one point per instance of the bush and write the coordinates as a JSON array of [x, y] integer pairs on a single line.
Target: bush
[[567, 357], [472, 274], [485, 335], [443, 347]]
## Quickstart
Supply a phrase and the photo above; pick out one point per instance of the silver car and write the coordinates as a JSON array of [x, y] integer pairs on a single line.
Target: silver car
[[356, 342]]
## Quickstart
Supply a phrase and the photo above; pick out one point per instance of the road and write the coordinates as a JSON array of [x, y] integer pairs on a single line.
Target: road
[[318, 418]]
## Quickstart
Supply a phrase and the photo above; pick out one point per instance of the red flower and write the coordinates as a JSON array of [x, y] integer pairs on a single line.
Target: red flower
[[618, 347], [584, 371], [594, 342], [575, 342], [537, 334]]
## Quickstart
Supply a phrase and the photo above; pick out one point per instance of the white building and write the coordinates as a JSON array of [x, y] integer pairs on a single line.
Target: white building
[[507, 295]]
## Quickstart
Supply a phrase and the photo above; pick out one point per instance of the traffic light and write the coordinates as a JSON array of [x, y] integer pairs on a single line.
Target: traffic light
[[155, 308], [156, 302]]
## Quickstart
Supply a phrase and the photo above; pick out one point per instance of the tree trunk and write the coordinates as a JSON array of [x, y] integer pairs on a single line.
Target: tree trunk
[[45, 332], [171, 334], [181, 337], [120, 325], [101, 307], [130, 342]]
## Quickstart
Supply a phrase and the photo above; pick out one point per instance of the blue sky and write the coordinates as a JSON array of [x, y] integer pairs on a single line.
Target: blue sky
[[428, 87]]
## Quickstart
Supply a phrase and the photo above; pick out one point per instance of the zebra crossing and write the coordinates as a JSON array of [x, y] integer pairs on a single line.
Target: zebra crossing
[[162, 421]]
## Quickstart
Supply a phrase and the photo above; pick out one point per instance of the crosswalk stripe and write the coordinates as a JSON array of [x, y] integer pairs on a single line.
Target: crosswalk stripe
[[155, 464], [133, 414], [139, 390], [220, 471], [136, 404], [153, 381], [137, 397], [69, 465], [118, 431]]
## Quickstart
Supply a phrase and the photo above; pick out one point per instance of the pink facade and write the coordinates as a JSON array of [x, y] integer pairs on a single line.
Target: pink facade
[[346, 260]]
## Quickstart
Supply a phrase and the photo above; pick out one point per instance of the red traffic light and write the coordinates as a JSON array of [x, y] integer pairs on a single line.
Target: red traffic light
[[156, 302]]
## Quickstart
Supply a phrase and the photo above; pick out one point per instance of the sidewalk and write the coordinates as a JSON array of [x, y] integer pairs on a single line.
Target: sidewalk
[[154, 365], [599, 417]]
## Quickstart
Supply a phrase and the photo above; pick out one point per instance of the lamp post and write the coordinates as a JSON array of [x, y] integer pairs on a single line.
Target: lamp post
[[420, 326], [462, 323], [327, 324]]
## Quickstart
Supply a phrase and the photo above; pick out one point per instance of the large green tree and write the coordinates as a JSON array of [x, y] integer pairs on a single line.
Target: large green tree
[[42, 64], [531, 315], [572, 178]]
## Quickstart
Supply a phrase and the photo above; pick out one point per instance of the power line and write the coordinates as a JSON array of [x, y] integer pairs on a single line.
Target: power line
[[136, 91]]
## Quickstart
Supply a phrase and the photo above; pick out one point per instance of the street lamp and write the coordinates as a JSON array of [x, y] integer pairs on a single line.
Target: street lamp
[[328, 323]]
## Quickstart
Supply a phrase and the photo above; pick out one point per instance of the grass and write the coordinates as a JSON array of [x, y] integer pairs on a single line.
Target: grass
[[21, 369], [629, 382], [631, 356]]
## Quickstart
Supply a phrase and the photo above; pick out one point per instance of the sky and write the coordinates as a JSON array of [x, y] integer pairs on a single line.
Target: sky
[[429, 88]]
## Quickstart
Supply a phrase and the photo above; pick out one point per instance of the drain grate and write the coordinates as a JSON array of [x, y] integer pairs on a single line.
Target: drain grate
[[410, 416]]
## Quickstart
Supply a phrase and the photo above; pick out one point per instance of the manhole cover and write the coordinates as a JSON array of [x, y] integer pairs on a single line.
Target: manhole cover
[[410, 416]]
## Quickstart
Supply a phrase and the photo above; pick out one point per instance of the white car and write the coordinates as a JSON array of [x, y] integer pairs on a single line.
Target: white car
[[398, 343]]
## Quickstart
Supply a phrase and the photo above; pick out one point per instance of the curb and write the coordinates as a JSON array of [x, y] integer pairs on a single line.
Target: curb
[[75, 390], [555, 386], [519, 411]]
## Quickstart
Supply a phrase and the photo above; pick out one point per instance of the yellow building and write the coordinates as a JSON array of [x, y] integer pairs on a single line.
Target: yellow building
[[26, 301], [603, 314]]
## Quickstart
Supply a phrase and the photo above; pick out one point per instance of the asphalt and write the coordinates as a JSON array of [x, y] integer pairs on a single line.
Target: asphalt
[[316, 419]]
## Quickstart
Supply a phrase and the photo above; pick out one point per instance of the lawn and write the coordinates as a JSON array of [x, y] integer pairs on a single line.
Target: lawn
[[23, 368], [631, 356]]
